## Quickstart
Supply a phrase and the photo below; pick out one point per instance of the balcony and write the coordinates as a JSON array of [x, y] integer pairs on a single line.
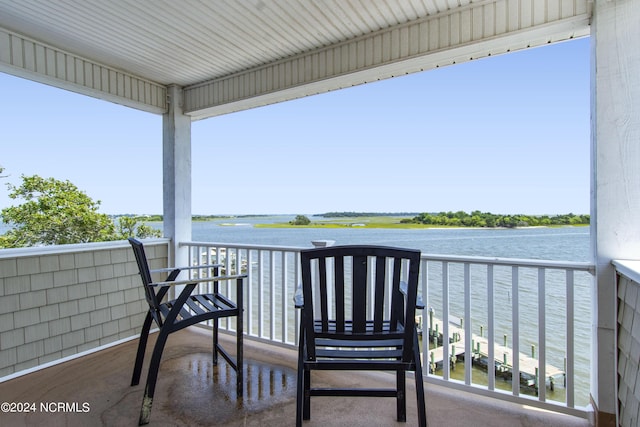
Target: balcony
[[192, 392], [76, 310]]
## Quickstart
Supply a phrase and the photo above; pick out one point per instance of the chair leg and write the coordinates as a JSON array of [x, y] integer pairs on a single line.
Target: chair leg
[[239, 358], [420, 403], [152, 376], [215, 342], [142, 345], [299, 400], [300, 379], [422, 413], [401, 396], [306, 413]]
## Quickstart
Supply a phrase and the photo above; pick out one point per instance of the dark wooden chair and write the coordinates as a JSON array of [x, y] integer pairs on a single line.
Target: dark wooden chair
[[185, 310], [358, 313]]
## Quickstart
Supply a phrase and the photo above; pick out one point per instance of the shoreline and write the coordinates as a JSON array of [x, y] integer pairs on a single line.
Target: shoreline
[[404, 226]]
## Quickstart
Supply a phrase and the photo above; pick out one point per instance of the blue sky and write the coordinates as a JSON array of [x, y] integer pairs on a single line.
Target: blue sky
[[505, 134]]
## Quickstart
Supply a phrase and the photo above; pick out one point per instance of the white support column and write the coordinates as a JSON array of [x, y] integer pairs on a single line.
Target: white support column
[[176, 136], [615, 187]]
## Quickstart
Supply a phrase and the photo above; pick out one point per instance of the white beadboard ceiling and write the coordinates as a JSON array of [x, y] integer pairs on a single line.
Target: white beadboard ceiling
[[230, 51]]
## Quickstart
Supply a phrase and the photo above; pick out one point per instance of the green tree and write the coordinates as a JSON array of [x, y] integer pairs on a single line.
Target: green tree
[[300, 220], [56, 213], [129, 226]]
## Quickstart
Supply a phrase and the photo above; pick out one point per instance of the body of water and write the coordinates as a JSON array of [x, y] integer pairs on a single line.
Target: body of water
[[565, 243]]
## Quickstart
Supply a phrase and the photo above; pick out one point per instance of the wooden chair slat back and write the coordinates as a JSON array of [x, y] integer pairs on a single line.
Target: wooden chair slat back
[[357, 289], [145, 275]]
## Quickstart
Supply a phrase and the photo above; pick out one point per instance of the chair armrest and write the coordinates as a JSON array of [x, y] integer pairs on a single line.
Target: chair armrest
[[198, 280], [298, 297], [419, 303], [164, 270]]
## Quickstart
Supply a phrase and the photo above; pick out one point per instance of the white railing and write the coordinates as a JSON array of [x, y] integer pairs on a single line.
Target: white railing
[[273, 272], [541, 308]]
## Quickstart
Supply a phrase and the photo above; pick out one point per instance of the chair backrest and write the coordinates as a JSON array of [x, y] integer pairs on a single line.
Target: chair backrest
[[145, 275], [360, 292]]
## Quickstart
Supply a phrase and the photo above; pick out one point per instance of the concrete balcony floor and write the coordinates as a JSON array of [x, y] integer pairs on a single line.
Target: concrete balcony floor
[[192, 392]]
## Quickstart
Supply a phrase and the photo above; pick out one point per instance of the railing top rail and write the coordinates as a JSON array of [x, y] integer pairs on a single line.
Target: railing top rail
[[567, 265], [245, 246], [33, 251], [629, 268]]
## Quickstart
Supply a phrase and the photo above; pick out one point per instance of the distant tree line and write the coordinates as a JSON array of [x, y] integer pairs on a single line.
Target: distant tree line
[[363, 214], [486, 219]]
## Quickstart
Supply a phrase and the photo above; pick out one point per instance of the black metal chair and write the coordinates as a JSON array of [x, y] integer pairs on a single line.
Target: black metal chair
[[185, 310], [358, 313]]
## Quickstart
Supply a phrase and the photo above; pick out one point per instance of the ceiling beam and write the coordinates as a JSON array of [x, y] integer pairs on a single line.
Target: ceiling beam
[[478, 30], [37, 61]]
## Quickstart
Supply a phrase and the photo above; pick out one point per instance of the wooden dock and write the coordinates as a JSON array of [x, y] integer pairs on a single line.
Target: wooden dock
[[503, 355]]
